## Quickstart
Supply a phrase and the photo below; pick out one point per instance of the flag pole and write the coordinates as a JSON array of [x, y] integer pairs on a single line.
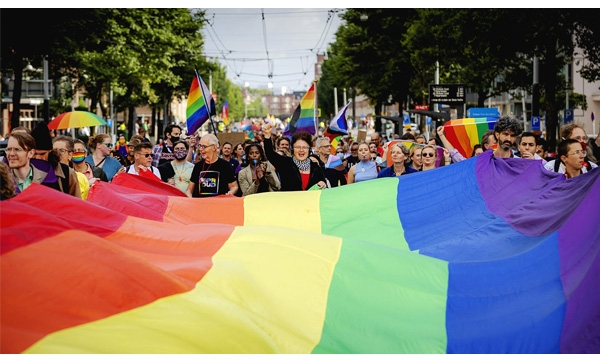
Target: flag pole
[[206, 102], [316, 110]]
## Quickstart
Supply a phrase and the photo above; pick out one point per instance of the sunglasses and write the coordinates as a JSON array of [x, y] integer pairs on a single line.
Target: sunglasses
[[107, 144], [428, 155], [147, 155]]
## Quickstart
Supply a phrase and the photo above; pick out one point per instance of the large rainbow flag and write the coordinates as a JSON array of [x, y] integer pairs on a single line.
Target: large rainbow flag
[[465, 133], [304, 117], [483, 256], [199, 103]]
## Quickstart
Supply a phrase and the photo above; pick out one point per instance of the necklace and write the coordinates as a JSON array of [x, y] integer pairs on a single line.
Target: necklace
[[179, 171]]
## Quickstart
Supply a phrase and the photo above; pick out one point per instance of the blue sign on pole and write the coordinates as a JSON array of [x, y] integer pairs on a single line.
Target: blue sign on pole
[[568, 116], [428, 120], [406, 120], [535, 123], [593, 116], [483, 112]]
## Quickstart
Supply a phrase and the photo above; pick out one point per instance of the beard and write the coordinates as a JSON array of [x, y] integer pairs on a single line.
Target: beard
[[505, 145]]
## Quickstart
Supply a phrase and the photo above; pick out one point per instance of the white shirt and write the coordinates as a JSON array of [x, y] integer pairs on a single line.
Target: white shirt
[[131, 170], [561, 169]]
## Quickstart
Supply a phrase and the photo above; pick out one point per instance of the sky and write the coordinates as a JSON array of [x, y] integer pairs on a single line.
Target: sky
[[262, 47]]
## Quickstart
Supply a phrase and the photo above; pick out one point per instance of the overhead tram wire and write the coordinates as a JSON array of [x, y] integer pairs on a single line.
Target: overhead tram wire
[[269, 61]]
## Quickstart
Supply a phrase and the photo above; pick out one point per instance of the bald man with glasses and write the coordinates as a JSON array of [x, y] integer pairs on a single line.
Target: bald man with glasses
[[212, 176]]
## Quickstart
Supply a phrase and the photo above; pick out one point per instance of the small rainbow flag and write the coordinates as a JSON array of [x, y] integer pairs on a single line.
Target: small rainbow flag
[[198, 109], [303, 118], [465, 133], [226, 113]]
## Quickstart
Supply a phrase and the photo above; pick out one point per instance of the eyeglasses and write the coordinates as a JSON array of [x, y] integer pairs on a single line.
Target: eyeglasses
[[430, 155], [353, 149], [147, 155], [301, 148], [61, 151], [581, 138], [327, 146], [204, 146], [107, 144], [179, 149], [578, 152], [16, 150]]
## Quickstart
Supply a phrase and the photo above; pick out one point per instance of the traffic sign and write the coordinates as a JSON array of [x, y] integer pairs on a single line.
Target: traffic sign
[[427, 120], [406, 120], [568, 116], [535, 123]]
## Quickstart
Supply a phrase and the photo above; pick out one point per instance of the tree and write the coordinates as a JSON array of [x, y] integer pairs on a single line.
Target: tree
[[367, 55]]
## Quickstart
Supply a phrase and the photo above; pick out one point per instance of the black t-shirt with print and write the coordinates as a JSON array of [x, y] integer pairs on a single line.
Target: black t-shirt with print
[[211, 179]]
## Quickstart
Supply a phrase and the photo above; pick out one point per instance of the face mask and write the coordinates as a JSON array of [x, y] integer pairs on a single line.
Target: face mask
[[340, 155], [180, 154], [78, 157], [174, 139]]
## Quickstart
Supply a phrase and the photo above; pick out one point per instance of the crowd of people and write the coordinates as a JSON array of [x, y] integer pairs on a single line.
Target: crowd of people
[[202, 167]]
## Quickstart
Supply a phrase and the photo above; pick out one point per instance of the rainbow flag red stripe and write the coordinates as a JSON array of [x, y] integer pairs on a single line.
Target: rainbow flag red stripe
[[486, 265]]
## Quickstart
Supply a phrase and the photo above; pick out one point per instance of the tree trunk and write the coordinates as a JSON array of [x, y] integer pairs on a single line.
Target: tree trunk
[[378, 119], [15, 118], [481, 97], [131, 122]]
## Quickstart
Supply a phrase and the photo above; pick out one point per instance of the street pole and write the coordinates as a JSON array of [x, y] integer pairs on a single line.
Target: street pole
[[46, 93], [535, 96], [335, 99], [437, 81]]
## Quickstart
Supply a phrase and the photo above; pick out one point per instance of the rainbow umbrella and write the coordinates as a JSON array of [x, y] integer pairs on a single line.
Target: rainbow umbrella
[[75, 119]]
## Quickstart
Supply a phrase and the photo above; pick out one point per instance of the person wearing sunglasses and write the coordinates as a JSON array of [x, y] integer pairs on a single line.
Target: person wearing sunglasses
[[142, 164], [63, 146], [429, 157], [573, 131], [101, 146]]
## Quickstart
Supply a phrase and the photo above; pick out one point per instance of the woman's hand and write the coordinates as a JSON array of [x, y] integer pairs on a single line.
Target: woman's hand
[[267, 127], [440, 131], [321, 184]]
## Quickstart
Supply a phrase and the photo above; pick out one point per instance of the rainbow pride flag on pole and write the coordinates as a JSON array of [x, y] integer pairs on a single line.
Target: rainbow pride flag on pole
[[503, 257], [465, 133], [304, 117], [199, 103], [226, 112]]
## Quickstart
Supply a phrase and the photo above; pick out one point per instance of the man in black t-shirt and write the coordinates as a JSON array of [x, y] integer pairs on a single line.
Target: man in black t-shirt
[[212, 175]]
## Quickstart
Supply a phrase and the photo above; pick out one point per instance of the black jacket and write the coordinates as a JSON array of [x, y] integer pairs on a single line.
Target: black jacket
[[288, 172]]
